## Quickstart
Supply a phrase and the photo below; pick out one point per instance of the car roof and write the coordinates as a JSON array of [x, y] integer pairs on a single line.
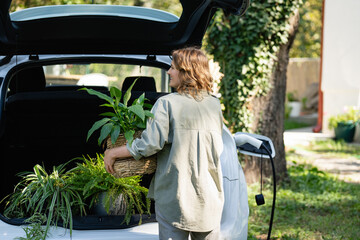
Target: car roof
[[105, 29]]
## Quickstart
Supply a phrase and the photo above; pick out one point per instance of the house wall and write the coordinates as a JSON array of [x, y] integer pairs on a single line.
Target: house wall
[[340, 60]]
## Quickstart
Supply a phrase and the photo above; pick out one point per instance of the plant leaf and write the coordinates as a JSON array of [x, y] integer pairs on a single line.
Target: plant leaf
[[68, 219], [138, 110], [116, 93], [148, 105], [96, 126], [128, 93], [149, 114], [129, 136], [98, 94], [105, 131], [140, 100], [121, 105], [51, 212], [141, 125], [106, 105], [115, 133]]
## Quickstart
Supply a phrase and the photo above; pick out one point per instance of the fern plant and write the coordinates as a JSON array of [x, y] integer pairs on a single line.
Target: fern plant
[[123, 118], [90, 178]]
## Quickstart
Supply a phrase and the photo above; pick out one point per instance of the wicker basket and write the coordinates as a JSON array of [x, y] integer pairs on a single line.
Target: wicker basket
[[131, 167]]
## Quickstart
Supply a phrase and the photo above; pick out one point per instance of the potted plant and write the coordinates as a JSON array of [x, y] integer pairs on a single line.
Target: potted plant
[[42, 194], [50, 198], [344, 124], [103, 191], [123, 119], [121, 125]]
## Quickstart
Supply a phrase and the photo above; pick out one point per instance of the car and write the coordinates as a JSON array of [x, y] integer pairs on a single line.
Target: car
[[47, 53]]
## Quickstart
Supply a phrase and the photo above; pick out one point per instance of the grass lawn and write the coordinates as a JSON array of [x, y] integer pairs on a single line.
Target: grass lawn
[[312, 205], [338, 149], [291, 124]]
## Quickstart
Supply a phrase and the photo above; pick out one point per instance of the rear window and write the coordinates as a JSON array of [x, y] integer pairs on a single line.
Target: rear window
[[173, 7], [98, 74]]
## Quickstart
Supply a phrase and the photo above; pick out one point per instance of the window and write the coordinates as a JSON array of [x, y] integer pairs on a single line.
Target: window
[[98, 74]]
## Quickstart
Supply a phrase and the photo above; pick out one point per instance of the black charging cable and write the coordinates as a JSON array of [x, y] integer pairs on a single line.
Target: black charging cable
[[259, 198]]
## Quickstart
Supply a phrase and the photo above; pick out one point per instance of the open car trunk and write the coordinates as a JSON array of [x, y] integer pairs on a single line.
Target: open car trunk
[[47, 124], [107, 29]]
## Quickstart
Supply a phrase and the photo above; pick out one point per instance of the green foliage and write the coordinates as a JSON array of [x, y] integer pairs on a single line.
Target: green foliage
[[123, 119], [90, 178], [307, 42], [339, 148], [303, 103], [290, 124], [34, 231], [351, 115], [290, 97], [40, 193], [49, 198], [246, 49]]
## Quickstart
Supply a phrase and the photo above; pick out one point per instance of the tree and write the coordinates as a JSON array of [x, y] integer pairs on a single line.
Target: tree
[[252, 52], [269, 112], [307, 42]]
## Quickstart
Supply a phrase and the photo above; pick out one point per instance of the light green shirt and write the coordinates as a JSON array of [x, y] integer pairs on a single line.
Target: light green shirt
[[186, 135]]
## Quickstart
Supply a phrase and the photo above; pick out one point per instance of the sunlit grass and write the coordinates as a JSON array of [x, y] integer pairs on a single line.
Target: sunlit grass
[[312, 205], [334, 148], [291, 124]]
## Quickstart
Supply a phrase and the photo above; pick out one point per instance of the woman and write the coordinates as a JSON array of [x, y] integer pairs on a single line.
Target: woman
[[186, 135]]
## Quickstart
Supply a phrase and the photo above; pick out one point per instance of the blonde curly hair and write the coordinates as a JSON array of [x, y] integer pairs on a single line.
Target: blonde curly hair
[[194, 72]]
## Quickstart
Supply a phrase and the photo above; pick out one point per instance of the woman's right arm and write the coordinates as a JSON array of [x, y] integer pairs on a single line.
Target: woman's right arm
[[156, 134], [110, 155]]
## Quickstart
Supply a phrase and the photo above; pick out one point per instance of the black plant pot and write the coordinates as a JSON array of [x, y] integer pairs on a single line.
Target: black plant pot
[[345, 131]]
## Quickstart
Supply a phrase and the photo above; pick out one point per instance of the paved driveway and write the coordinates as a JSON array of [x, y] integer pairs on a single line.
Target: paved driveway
[[347, 169]]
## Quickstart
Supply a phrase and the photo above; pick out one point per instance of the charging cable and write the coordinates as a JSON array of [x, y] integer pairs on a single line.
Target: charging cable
[[241, 139], [274, 194]]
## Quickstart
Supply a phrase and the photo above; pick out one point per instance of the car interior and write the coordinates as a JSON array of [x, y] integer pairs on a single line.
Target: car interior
[[47, 124]]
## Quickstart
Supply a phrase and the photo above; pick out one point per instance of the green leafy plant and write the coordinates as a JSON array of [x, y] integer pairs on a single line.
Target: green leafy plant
[[350, 116], [123, 118], [246, 49], [290, 97], [61, 194], [303, 103], [34, 231], [90, 178], [40, 193]]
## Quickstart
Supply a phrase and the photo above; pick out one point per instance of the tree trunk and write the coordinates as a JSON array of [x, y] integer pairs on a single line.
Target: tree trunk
[[269, 115]]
